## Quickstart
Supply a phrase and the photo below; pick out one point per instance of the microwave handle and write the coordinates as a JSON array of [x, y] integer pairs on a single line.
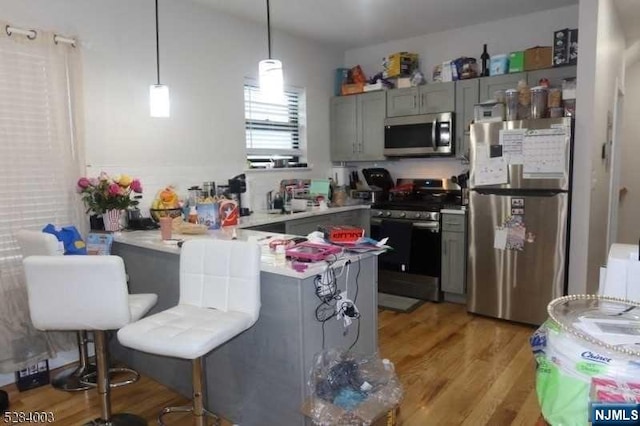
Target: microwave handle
[[433, 134], [436, 140]]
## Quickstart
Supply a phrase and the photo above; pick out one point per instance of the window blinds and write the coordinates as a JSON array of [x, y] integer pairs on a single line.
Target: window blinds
[[37, 164], [272, 128]]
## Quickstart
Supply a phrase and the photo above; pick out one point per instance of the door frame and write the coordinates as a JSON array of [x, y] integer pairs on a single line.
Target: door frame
[[616, 166]]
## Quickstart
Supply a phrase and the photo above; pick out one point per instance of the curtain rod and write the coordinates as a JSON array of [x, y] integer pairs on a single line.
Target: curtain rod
[[32, 34]]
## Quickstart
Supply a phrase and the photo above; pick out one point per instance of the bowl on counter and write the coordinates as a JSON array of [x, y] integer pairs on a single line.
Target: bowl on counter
[[156, 214]]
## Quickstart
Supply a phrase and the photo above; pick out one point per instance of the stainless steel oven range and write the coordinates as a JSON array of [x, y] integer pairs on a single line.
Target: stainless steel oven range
[[411, 221]]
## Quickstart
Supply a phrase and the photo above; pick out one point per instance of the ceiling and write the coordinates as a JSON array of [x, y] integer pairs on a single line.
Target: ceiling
[[355, 23], [629, 14]]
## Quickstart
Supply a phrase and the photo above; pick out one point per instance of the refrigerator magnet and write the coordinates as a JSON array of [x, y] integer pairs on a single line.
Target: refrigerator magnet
[[517, 202], [517, 211]]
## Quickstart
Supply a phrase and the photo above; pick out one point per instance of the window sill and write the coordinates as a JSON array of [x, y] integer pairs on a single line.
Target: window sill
[[280, 169]]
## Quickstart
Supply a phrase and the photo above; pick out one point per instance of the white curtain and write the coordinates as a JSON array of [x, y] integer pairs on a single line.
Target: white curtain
[[41, 157]]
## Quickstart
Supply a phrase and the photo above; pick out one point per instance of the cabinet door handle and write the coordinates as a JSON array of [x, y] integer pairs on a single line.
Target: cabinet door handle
[[415, 101], [422, 101]]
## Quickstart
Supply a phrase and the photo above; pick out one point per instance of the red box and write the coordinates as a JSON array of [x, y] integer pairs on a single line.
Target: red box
[[229, 213], [609, 390], [343, 234]]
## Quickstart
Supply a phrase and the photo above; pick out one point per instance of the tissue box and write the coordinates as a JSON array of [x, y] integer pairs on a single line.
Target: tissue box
[[343, 234], [609, 390], [229, 213], [516, 62]]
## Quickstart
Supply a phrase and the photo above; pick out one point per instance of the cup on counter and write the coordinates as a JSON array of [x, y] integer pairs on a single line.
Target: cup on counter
[[165, 227]]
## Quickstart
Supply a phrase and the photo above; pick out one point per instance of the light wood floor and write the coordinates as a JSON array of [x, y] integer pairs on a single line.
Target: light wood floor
[[456, 369]]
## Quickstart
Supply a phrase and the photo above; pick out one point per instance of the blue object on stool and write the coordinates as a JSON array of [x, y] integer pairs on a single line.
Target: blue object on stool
[[70, 237]]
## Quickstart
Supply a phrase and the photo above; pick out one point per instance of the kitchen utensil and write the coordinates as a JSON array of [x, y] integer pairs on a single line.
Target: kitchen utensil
[[378, 177]]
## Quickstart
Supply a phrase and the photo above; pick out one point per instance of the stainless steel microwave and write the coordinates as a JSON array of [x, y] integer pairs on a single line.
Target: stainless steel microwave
[[426, 135]]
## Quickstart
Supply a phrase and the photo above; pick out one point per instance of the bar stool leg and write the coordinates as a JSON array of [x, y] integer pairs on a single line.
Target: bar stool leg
[[104, 390], [196, 408], [70, 379]]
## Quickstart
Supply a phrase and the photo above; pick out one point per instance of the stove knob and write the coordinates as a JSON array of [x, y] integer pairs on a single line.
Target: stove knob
[[388, 214], [379, 214], [418, 215]]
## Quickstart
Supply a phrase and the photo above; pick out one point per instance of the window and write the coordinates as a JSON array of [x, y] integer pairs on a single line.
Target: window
[[274, 129]]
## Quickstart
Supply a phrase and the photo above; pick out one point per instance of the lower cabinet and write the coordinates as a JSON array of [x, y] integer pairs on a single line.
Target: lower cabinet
[[454, 254], [359, 218]]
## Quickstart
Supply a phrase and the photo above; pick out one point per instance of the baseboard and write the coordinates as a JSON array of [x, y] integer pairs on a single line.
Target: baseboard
[[62, 359]]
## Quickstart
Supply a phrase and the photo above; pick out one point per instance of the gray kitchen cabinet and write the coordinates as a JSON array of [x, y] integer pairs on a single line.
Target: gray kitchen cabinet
[[454, 254], [437, 97], [427, 99], [489, 85], [403, 102], [308, 225], [372, 110], [304, 226], [554, 75], [344, 112], [357, 127], [467, 95]]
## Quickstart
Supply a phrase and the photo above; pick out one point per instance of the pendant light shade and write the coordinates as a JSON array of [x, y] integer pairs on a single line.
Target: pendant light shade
[[159, 104], [270, 70], [271, 78]]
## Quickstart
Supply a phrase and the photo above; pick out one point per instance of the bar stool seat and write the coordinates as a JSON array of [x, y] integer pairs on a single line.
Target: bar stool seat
[[184, 331], [219, 299]]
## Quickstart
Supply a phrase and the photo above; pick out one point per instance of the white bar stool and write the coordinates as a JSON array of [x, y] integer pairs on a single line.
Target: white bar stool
[[37, 243], [219, 299], [86, 293]]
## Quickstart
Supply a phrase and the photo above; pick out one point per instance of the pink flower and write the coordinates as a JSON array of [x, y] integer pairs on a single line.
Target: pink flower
[[114, 189], [94, 181], [136, 186], [83, 183]]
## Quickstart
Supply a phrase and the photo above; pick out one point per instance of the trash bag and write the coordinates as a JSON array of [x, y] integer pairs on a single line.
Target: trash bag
[[350, 389]]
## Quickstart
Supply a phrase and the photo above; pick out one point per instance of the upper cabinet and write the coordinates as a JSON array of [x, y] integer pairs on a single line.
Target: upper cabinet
[[467, 96], [427, 99], [438, 97], [357, 127], [489, 85]]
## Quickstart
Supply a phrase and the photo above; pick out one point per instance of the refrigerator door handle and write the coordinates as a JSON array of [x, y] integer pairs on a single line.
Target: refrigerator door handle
[[506, 192]]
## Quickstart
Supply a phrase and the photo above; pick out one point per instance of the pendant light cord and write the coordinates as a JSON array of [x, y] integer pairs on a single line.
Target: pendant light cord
[[268, 29], [158, 46]]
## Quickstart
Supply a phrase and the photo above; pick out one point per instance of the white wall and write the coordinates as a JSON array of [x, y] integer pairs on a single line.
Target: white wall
[[601, 64], [629, 211], [205, 56], [503, 36]]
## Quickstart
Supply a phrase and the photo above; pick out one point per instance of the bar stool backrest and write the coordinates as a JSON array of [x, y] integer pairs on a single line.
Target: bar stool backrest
[[221, 274], [38, 243], [77, 292]]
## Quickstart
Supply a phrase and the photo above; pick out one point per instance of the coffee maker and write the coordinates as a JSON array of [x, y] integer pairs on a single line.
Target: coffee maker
[[238, 186]]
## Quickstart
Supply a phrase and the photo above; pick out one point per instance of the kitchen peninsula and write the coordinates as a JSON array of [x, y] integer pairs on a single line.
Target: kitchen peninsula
[[260, 376]]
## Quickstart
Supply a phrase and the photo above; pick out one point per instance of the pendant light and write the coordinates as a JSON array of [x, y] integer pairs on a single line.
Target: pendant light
[[159, 105], [270, 70]]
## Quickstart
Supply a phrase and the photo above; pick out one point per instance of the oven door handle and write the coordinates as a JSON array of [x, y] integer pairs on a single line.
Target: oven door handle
[[428, 226]]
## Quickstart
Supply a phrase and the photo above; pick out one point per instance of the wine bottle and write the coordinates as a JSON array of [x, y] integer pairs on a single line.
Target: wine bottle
[[485, 62]]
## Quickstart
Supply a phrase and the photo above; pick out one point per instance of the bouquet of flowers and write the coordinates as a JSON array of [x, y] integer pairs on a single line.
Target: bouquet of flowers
[[108, 193]]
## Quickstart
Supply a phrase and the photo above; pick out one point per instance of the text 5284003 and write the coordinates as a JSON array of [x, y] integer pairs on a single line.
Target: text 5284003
[[16, 417]]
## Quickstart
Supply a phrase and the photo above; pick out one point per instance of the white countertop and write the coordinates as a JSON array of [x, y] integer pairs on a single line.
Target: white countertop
[[151, 240], [264, 218]]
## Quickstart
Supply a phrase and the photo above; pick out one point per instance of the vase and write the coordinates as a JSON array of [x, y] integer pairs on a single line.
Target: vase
[[112, 220]]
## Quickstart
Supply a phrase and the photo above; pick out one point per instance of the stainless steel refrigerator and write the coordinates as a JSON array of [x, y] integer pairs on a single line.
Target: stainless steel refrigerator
[[519, 204]]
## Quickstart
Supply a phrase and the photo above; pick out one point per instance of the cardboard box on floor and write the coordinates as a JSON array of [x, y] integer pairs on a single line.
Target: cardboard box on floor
[[372, 411]]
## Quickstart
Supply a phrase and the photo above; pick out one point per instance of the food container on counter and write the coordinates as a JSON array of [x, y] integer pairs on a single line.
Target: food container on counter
[[554, 97], [208, 215], [511, 103], [538, 102]]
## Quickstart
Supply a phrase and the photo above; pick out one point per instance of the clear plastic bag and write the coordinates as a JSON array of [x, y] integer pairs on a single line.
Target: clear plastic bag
[[350, 389]]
